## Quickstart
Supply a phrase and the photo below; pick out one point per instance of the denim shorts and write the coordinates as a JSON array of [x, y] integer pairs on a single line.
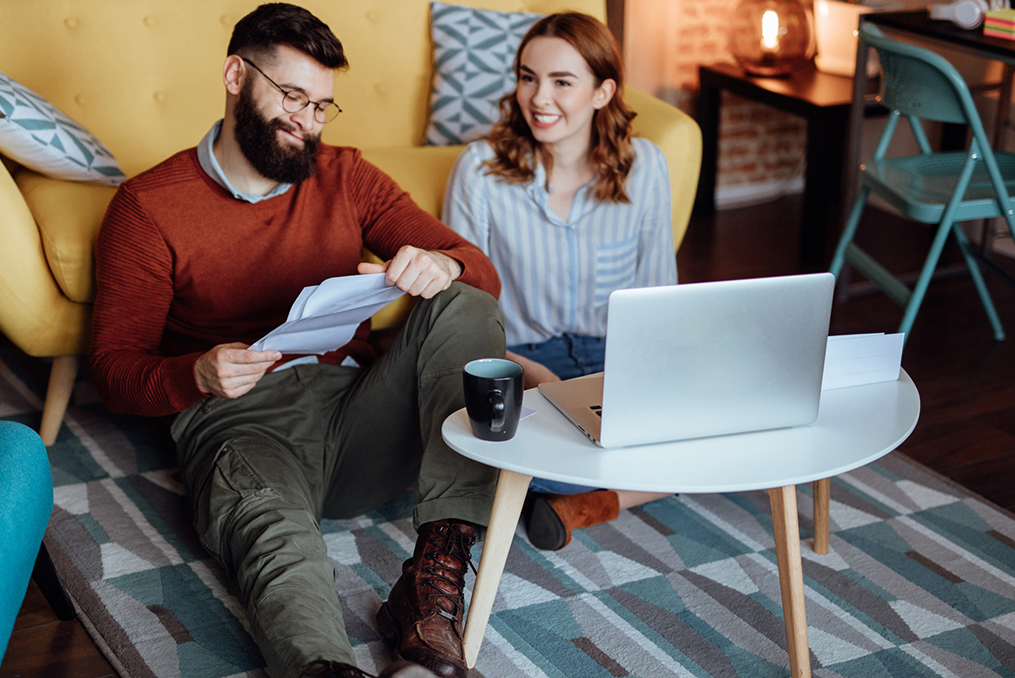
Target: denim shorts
[[567, 356]]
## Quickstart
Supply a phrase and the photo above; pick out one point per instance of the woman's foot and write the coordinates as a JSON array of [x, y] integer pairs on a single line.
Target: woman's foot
[[551, 517]]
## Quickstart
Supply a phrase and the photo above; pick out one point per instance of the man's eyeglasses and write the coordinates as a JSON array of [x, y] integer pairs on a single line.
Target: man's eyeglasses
[[294, 101]]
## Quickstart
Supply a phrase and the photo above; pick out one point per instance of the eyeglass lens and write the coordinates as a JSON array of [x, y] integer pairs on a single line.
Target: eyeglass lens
[[294, 102]]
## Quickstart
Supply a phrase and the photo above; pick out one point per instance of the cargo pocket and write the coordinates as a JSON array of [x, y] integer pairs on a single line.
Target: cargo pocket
[[616, 267], [232, 488]]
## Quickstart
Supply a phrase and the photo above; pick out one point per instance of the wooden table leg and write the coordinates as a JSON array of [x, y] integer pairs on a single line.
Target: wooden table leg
[[507, 507], [791, 578], [822, 496]]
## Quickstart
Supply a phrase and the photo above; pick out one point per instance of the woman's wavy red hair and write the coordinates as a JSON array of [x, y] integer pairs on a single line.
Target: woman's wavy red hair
[[517, 150]]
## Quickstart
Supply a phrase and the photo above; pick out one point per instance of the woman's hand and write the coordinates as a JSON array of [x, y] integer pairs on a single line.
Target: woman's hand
[[535, 373]]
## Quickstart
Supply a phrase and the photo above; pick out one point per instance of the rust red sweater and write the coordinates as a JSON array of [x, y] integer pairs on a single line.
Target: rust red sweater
[[181, 266]]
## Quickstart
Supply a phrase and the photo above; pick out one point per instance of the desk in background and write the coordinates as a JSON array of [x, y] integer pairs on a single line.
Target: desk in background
[[824, 100]]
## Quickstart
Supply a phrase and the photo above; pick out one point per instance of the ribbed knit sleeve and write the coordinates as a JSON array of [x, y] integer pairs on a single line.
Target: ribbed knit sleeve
[[135, 289], [390, 219], [183, 266]]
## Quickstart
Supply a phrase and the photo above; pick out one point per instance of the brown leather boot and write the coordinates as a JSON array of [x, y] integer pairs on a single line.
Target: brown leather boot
[[323, 668], [423, 614], [553, 516]]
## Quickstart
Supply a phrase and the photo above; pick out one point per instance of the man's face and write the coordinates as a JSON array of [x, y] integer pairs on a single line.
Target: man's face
[[282, 146], [258, 138]]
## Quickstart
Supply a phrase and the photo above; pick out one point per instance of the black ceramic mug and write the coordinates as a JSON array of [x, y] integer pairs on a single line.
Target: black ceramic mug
[[493, 397]]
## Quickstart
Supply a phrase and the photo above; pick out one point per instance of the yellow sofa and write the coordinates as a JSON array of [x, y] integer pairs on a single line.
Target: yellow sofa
[[144, 76]]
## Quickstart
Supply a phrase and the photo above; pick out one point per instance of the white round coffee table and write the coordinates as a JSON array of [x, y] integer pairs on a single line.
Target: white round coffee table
[[855, 426]]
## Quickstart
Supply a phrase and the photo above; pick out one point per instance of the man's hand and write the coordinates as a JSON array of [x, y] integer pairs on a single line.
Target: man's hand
[[535, 373], [230, 370], [419, 273]]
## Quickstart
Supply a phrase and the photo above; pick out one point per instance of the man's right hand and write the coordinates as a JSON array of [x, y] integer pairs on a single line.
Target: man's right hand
[[230, 370]]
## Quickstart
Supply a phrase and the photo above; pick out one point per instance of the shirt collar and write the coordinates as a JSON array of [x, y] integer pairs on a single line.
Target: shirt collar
[[538, 193], [206, 157]]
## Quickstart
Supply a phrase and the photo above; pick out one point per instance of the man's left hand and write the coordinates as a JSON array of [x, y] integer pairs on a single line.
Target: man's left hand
[[419, 273]]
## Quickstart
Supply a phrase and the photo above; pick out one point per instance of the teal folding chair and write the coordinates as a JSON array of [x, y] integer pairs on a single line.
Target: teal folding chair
[[933, 188]]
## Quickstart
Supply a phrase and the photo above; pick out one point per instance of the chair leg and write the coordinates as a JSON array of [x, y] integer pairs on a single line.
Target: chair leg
[[61, 386], [44, 574], [978, 281], [822, 498], [848, 231], [926, 273], [791, 578]]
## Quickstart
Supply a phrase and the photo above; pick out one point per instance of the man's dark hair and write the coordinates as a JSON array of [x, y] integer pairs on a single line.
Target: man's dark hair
[[279, 23]]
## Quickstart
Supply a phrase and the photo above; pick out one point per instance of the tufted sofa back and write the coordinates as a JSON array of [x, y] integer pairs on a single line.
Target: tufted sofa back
[[145, 76]]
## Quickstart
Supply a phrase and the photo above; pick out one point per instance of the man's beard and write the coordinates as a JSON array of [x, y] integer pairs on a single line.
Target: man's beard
[[258, 139]]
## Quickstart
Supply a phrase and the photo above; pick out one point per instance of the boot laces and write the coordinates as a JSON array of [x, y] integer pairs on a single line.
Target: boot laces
[[451, 542]]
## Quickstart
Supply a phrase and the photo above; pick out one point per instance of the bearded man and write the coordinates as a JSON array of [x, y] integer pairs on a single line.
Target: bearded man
[[202, 255]]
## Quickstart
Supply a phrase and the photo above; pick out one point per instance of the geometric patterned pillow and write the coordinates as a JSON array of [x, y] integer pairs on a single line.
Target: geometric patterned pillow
[[474, 50], [39, 136]]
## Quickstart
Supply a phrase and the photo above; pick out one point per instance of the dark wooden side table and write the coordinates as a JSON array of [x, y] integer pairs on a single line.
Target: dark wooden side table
[[824, 101]]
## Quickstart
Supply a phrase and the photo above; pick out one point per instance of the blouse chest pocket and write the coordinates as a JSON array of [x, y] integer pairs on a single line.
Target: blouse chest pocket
[[616, 267]]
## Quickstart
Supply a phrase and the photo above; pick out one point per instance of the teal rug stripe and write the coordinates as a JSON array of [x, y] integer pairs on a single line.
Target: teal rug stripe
[[919, 581]]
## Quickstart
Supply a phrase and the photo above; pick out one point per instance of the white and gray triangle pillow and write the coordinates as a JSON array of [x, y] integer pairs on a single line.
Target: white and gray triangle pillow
[[474, 51], [36, 134]]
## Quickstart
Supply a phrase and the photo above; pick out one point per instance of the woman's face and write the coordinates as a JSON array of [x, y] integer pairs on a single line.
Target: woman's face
[[558, 94]]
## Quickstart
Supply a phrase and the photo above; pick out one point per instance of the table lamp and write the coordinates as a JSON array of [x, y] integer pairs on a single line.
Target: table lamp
[[770, 37]]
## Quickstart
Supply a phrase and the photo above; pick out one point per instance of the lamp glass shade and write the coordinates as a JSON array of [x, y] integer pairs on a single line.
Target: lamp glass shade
[[770, 37]]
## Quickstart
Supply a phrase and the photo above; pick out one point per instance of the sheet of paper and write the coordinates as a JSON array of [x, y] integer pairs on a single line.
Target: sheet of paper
[[855, 359], [324, 317]]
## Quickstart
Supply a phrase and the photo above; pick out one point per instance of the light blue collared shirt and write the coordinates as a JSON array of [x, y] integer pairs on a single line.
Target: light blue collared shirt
[[557, 274], [206, 157]]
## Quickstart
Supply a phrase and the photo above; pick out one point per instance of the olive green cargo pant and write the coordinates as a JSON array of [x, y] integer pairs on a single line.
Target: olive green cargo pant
[[315, 441]]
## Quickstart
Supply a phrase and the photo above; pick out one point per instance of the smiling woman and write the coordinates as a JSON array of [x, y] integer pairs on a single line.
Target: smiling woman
[[569, 207]]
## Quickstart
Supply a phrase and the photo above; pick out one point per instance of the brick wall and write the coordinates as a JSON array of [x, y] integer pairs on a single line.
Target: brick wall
[[761, 151]]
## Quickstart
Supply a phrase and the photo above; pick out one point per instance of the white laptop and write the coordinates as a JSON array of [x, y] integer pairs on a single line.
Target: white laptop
[[704, 359]]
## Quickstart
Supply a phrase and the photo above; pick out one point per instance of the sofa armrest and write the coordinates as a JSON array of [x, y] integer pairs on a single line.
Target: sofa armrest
[[34, 313], [677, 134]]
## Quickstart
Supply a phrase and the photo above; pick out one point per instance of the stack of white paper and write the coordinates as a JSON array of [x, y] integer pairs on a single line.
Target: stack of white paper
[[324, 317], [855, 359]]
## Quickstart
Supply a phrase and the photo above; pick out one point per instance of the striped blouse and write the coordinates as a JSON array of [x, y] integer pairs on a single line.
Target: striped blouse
[[556, 275]]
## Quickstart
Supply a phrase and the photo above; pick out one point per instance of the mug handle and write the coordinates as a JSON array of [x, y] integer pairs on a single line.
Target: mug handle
[[497, 401]]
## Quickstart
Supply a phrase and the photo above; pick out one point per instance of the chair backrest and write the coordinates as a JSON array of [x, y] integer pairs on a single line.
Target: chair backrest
[[920, 83]]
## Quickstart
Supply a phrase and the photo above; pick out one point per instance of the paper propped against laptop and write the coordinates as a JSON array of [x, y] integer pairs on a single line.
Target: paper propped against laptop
[[324, 317], [856, 359]]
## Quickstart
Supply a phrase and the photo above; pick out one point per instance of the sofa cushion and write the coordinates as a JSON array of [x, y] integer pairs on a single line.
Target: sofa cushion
[[473, 54], [38, 135], [68, 215]]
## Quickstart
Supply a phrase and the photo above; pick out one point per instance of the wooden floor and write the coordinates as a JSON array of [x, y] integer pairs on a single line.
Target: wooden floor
[[966, 383]]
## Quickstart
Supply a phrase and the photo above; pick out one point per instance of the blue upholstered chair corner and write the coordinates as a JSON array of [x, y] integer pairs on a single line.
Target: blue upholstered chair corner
[[26, 500]]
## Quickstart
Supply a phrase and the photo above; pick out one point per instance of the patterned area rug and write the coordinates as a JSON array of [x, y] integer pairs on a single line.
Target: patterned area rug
[[920, 580]]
